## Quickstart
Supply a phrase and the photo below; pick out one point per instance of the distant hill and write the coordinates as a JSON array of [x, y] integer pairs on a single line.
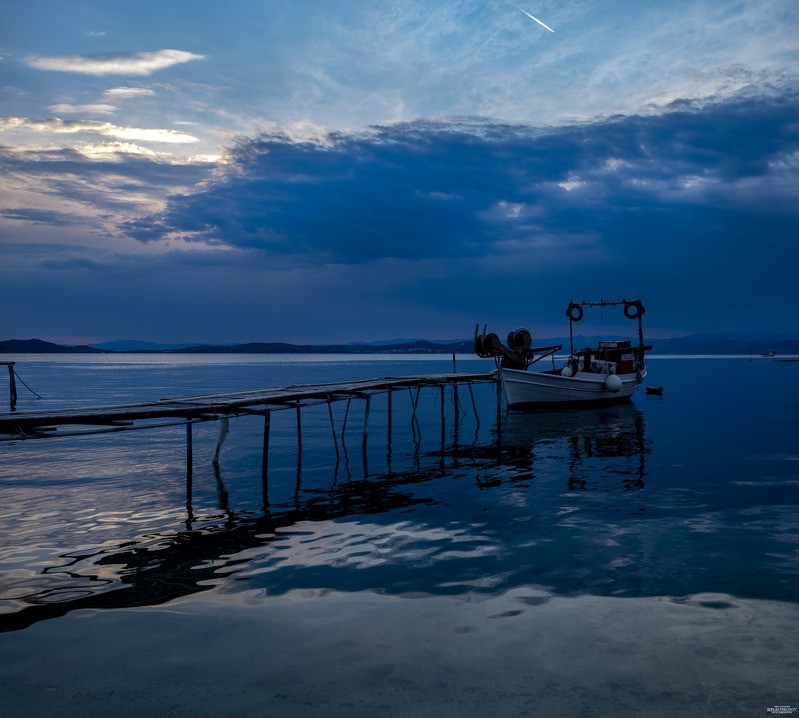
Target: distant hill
[[134, 345], [37, 346], [692, 344], [418, 347]]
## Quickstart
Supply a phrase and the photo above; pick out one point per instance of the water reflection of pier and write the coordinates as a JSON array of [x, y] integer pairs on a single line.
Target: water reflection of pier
[[597, 447]]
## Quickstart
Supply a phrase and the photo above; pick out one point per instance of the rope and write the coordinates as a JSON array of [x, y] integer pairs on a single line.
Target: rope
[[38, 396]]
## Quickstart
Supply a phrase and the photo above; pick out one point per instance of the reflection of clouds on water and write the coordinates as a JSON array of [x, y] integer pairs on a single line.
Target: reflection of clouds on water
[[562, 500], [362, 544], [317, 540]]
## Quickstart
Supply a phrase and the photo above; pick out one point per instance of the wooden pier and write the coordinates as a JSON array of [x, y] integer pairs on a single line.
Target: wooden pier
[[83, 421], [212, 407]]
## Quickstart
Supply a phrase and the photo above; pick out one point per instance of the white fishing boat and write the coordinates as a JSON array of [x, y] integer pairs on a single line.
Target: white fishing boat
[[608, 373]]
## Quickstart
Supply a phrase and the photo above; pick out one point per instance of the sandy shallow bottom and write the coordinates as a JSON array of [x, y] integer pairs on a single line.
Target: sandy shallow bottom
[[332, 654]]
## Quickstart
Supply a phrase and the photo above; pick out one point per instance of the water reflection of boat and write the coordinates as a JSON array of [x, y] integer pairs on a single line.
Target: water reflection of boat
[[598, 445], [607, 373]]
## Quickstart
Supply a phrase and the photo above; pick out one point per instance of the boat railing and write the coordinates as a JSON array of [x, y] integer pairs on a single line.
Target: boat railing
[[545, 352]]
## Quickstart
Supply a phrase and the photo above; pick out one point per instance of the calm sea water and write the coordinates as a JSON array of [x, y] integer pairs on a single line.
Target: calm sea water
[[636, 560]]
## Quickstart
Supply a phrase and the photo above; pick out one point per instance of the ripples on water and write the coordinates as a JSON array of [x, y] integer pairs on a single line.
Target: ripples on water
[[690, 498]]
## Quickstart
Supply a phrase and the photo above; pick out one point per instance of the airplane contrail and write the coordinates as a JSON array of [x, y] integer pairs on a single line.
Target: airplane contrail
[[532, 17]]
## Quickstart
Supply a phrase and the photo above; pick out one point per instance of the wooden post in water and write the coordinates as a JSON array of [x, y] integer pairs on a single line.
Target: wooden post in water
[[443, 429], [455, 392], [299, 428], [299, 451], [474, 406], [366, 428], [414, 403], [189, 474], [333, 428], [189, 478], [388, 435], [224, 430], [346, 414], [12, 386], [189, 448], [265, 459]]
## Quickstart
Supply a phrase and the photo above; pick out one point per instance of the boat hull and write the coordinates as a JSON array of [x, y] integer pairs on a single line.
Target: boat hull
[[530, 388]]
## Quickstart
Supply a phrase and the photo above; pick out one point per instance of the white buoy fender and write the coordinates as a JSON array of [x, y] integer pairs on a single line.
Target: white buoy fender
[[613, 383], [567, 370]]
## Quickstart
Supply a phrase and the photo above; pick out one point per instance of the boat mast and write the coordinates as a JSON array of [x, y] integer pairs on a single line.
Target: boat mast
[[641, 334], [571, 337]]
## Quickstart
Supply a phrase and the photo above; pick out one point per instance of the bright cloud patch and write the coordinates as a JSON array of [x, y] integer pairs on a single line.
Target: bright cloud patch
[[94, 127], [108, 103], [129, 63], [126, 93], [95, 108]]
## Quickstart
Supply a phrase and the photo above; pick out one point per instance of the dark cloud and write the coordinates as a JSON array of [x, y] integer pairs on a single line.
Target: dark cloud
[[423, 228], [695, 180]]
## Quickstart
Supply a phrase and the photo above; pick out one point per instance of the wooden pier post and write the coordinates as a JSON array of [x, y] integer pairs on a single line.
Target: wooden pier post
[[455, 440], [224, 430], [366, 424], [388, 435], [333, 428], [265, 459], [455, 392], [299, 452], [299, 428], [12, 386], [346, 414], [189, 450], [414, 404], [443, 427], [474, 406]]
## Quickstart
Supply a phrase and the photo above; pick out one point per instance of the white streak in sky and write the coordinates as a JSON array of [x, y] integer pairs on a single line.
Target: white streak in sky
[[532, 17]]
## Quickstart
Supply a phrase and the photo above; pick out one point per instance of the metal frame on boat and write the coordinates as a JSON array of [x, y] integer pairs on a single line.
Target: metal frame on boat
[[608, 373]]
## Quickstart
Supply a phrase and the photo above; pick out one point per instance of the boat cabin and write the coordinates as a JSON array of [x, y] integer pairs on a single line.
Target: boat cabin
[[611, 357]]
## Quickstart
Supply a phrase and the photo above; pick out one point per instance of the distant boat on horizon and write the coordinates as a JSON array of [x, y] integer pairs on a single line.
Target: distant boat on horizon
[[768, 354]]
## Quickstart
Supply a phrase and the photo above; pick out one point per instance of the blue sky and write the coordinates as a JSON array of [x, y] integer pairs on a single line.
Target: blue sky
[[331, 171]]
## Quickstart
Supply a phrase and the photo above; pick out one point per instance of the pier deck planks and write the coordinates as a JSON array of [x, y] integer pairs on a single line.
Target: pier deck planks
[[30, 424]]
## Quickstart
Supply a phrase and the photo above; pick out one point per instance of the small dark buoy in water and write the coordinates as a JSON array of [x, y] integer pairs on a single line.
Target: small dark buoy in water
[[656, 390]]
